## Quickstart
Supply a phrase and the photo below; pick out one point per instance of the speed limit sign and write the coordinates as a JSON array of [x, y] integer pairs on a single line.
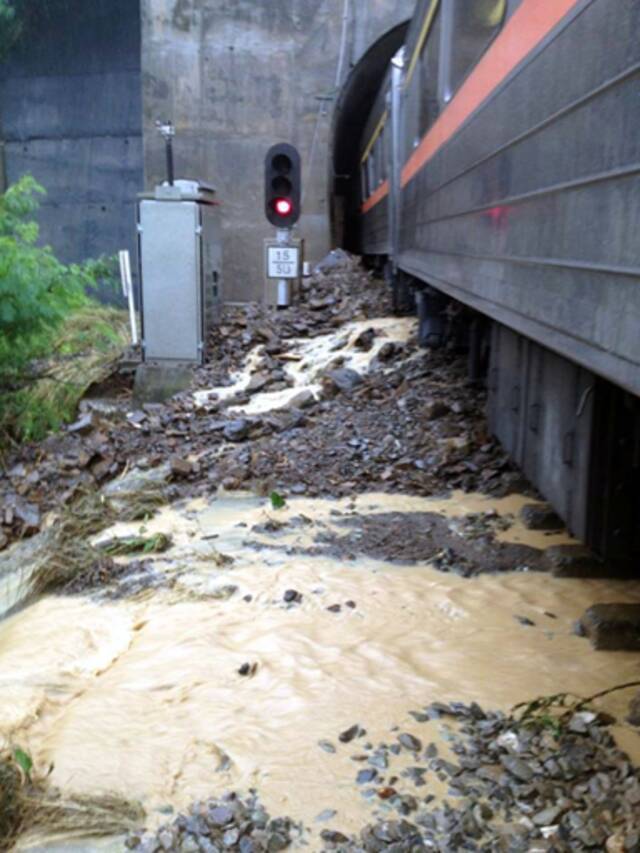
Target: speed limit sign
[[283, 262]]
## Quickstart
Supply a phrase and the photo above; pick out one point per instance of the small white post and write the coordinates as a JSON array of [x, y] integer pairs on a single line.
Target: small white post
[[127, 290]]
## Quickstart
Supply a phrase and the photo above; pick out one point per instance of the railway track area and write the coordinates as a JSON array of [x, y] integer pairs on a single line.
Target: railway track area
[[307, 603]]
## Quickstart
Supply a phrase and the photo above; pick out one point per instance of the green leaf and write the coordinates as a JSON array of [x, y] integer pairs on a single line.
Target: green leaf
[[277, 501], [23, 760]]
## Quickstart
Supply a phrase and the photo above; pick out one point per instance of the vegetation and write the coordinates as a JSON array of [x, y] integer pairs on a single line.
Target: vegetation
[[155, 544], [27, 802], [554, 712], [277, 501], [66, 554], [54, 340]]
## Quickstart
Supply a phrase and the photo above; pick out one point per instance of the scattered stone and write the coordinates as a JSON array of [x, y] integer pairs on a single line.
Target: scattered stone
[[181, 467], [304, 400], [613, 627], [325, 815], [236, 430], [366, 775], [333, 837], [28, 514], [327, 746], [292, 596], [257, 382], [84, 425], [413, 744], [575, 561], [524, 620], [352, 732], [365, 339], [343, 380], [248, 669], [517, 767], [387, 351], [334, 608], [540, 517], [434, 409]]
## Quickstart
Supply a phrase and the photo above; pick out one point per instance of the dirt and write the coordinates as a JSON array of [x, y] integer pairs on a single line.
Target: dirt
[[420, 537]]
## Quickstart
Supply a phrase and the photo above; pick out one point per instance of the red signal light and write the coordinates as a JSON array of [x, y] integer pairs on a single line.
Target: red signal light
[[283, 206]]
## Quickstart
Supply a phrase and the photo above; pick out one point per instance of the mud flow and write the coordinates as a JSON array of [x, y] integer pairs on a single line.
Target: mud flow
[[235, 658]]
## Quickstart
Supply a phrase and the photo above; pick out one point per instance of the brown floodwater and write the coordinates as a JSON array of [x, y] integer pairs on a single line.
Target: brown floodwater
[[143, 698]]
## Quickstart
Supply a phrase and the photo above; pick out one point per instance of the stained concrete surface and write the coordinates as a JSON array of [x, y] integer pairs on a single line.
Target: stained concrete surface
[[70, 115]]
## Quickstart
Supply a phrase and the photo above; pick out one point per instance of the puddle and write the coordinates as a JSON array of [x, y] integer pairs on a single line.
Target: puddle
[[143, 697]]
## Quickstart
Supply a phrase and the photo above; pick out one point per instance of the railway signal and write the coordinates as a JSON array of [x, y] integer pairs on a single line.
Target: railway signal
[[283, 257], [282, 185]]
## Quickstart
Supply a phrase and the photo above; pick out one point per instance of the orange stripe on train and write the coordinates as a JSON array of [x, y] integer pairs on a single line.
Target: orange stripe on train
[[374, 198], [528, 26], [532, 21]]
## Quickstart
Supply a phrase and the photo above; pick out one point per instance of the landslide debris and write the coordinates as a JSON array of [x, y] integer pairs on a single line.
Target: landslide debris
[[412, 423]]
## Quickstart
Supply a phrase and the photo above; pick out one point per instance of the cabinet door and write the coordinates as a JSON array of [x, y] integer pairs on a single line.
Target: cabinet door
[[169, 261]]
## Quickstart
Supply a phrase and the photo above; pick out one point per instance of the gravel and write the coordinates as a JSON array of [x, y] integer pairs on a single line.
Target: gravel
[[230, 823], [518, 785]]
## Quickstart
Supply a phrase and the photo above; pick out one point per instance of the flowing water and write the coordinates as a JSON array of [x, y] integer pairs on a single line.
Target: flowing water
[[143, 697]]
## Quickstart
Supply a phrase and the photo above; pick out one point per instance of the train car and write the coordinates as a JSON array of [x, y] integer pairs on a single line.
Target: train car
[[376, 162], [502, 159]]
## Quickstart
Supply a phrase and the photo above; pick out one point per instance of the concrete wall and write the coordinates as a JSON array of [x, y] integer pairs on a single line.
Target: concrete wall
[[70, 113], [235, 76]]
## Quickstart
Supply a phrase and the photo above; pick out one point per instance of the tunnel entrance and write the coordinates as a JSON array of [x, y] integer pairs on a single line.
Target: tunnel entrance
[[353, 106]]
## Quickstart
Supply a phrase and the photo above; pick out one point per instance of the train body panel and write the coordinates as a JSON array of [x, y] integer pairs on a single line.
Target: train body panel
[[530, 230], [517, 194]]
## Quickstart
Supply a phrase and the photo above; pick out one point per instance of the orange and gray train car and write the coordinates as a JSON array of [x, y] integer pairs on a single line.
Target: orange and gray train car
[[499, 170]]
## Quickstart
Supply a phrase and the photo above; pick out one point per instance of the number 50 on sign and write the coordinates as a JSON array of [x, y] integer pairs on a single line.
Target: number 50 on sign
[[283, 262]]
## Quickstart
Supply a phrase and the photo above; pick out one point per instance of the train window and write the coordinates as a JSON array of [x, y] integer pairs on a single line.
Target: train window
[[371, 171], [474, 25], [429, 62], [382, 156]]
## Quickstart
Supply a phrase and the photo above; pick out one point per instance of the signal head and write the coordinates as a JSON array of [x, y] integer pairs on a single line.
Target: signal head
[[282, 185]]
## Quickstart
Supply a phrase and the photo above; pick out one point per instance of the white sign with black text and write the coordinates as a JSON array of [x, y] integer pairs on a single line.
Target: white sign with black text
[[283, 262]]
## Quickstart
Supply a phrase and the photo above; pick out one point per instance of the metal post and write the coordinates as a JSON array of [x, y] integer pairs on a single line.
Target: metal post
[[169, 151], [284, 288], [167, 132], [397, 81]]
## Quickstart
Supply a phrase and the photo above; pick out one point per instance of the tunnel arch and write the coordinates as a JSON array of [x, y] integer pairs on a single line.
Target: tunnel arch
[[352, 108]]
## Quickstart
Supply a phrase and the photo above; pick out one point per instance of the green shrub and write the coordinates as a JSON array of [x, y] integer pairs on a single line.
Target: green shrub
[[54, 340], [37, 292]]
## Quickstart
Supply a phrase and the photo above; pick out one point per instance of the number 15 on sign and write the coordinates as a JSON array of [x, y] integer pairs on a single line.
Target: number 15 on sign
[[283, 262]]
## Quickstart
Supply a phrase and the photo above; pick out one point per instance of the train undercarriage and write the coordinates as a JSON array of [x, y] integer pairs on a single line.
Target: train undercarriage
[[574, 435]]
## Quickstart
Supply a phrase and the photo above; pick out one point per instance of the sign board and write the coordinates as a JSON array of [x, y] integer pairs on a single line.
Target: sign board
[[283, 261]]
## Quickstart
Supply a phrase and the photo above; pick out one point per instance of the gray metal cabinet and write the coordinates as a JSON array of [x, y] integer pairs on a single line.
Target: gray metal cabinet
[[181, 277]]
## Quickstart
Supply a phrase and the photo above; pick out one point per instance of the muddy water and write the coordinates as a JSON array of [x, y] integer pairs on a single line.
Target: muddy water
[[144, 697]]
